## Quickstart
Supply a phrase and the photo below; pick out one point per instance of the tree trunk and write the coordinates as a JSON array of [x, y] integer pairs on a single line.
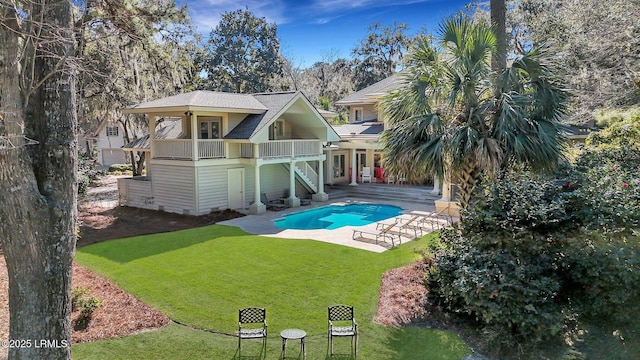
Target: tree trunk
[[467, 178], [38, 182], [498, 21]]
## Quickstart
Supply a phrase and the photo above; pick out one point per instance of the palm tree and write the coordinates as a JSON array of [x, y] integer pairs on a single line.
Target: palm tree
[[448, 117]]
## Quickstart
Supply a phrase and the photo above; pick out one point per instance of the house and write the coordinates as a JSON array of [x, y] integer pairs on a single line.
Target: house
[[360, 146], [218, 150], [108, 140]]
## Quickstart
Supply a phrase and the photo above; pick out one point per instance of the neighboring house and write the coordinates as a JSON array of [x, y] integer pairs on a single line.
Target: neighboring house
[[226, 150], [360, 146], [108, 140]]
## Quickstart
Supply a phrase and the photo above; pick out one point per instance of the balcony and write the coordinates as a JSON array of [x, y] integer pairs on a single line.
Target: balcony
[[277, 149], [183, 149]]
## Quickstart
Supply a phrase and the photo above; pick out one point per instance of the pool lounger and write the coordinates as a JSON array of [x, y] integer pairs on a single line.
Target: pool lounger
[[383, 234]]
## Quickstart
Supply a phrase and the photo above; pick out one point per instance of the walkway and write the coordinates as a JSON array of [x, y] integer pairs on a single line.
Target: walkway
[[263, 224]]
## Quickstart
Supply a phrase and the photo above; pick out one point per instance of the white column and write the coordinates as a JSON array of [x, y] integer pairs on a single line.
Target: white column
[[354, 168], [257, 207], [321, 195], [194, 136], [293, 201], [152, 137]]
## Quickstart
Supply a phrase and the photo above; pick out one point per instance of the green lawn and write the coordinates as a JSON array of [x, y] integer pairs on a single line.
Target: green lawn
[[202, 276]]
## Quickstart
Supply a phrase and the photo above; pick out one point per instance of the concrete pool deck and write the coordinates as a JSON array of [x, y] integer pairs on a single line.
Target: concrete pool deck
[[263, 224]]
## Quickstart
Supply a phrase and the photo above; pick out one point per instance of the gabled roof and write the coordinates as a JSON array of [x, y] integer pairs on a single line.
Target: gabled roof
[[202, 99], [371, 93]]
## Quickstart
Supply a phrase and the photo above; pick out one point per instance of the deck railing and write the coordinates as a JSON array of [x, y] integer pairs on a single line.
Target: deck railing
[[289, 148], [183, 149], [213, 149], [173, 149]]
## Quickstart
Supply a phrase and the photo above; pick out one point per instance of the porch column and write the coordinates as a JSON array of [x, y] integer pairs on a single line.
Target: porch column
[[292, 200], [194, 136], [257, 207], [354, 168], [152, 136], [321, 195]]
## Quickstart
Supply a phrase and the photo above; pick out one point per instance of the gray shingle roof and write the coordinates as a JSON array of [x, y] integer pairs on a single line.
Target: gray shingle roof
[[166, 130], [204, 98], [367, 93], [363, 129], [273, 102]]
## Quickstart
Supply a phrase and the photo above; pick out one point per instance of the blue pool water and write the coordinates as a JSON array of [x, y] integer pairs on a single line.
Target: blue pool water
[[335, 216]]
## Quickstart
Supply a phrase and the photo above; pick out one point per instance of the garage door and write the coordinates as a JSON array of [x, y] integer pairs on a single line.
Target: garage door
[[113, 156]]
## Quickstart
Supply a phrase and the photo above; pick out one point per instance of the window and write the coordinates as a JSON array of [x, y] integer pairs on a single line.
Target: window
[[210, 129], [276, 130], [357, 114], [112, 130]]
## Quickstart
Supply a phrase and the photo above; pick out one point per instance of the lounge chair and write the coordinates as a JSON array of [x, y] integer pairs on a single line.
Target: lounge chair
[[385, 234], [411, 224], [273, 204]]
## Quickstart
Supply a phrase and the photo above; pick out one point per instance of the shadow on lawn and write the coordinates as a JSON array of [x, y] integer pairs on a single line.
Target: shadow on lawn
[[408, 342], [139, 247]]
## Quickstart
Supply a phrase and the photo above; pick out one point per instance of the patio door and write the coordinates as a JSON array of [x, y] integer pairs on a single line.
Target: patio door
[[235, 186]]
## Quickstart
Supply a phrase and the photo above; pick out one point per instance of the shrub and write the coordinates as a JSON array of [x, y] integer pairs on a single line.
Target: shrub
[[81, 301], [118, 169], [87, 172], [540, 252]]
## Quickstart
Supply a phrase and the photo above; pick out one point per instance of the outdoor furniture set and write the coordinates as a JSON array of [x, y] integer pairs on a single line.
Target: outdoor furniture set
[[252, 324], [389, 232]]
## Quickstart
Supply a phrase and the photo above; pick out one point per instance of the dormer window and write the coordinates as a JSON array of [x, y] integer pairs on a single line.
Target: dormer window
[[112, 130]]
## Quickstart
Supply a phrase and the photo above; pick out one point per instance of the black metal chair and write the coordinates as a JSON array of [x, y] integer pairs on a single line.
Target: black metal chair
[[252, 324], [342, 322]]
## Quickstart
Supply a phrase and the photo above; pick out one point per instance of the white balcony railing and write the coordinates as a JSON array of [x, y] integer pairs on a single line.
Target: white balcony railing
[[290, 148], [211, 149], [214, 149], [173, 149], [183, 149]]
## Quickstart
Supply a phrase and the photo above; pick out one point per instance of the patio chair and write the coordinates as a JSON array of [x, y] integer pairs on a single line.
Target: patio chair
[[252, 324], [342, 322], [273, 204], [366, 174]]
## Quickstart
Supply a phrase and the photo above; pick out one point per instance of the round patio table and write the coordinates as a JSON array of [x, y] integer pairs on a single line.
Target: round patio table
[[293, 334]]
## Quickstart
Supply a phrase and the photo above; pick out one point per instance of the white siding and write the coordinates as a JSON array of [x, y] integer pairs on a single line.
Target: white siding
[[174, 189], [274, 180], [136, 193], [235, 119], [213, 187]]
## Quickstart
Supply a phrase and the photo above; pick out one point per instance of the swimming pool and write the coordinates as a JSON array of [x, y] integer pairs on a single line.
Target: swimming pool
[[336, 216]]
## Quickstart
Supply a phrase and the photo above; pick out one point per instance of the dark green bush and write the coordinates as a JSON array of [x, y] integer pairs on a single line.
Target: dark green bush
[[540, 252], [87, 172]]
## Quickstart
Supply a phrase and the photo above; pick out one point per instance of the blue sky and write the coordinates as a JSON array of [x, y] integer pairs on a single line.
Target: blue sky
[[316, 30]]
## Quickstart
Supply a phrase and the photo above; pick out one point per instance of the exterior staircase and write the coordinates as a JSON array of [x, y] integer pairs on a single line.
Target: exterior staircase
[[306, 176]]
